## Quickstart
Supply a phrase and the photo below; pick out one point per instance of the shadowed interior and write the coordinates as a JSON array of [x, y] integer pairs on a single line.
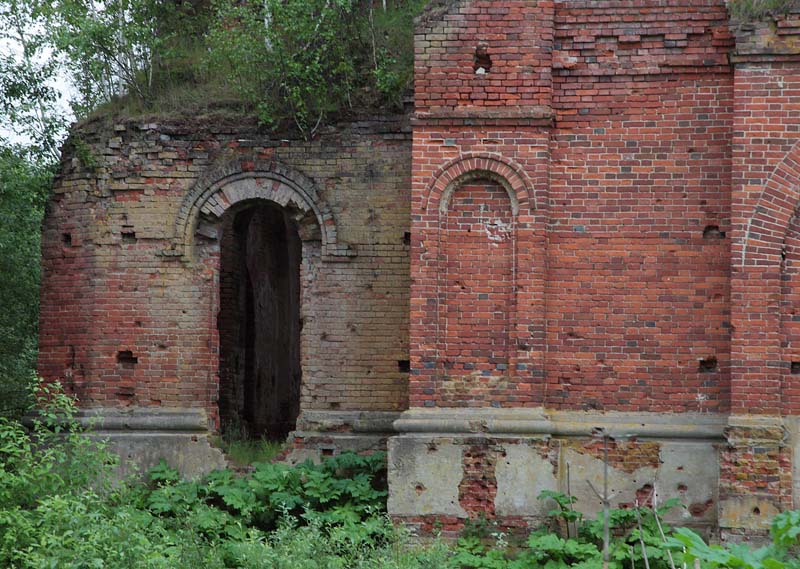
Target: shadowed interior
[[259, 322]]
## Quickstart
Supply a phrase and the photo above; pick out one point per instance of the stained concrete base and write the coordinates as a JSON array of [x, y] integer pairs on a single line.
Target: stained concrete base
[[532, 451], [143, 437]]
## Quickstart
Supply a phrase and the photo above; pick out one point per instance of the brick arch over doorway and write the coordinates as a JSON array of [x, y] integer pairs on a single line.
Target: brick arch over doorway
[[508, 174], [758, 271], [238, 181], [475, 232], [263, 229], [767, 226]]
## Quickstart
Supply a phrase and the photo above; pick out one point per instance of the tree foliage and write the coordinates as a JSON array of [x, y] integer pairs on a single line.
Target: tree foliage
[[28, 71], [292, 62], [23, 190], [306, 59]]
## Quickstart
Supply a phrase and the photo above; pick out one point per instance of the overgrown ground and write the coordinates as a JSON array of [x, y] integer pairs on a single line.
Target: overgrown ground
[[60, 507]]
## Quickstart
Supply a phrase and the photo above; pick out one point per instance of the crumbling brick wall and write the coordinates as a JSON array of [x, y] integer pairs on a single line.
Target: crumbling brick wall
[[129, 317]]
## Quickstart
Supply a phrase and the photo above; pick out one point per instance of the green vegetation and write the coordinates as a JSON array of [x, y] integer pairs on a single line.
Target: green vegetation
[[292, 63], [750, 10], [23, 191], [639, 538], [243, 452], [60, 507]]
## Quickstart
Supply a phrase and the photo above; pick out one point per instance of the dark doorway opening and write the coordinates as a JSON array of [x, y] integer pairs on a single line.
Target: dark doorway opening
[[259, 323]]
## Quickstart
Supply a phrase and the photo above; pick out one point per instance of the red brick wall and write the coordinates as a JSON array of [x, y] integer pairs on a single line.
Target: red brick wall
[[476, 291], [766, 190], [638, 275], [623, 237], [656, 247], [516, 36]]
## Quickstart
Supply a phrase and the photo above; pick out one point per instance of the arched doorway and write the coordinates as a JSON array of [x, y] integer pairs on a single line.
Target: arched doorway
[[259, 321]]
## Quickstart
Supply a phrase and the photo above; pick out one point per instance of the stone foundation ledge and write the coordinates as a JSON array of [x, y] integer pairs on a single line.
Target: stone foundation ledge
[[457, 464], [347, 421], [326, 433], [112, 419], [143, 436], [541, 422]]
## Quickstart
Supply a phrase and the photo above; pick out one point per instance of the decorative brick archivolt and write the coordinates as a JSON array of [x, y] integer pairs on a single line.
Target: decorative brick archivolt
[[239, 181], [437, 206], [473, 166], [757, 369], [766, 229]]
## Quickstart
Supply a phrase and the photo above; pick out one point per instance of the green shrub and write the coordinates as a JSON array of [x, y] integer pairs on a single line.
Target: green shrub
[[290, 62], [303, 60], [675, 548], [342, 490], [782, 553], [60, 507], [748, 10]]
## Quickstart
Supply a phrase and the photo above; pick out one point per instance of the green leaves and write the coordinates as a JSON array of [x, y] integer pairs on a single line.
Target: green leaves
[[778, 555], [341, 490], [564, 502], [292, 59], [785, 529], [29, 95], [58, 509], [23, 190]]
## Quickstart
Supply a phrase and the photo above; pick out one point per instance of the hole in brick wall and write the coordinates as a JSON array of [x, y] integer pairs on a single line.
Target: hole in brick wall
[[707, 365], [128, 237], [403, 366], [756, 511], [713, 232], [66, 239], [483, 61], [335, 405], [407, 238], [795, 367], [126, 359], [326, 452], [126, 391]]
